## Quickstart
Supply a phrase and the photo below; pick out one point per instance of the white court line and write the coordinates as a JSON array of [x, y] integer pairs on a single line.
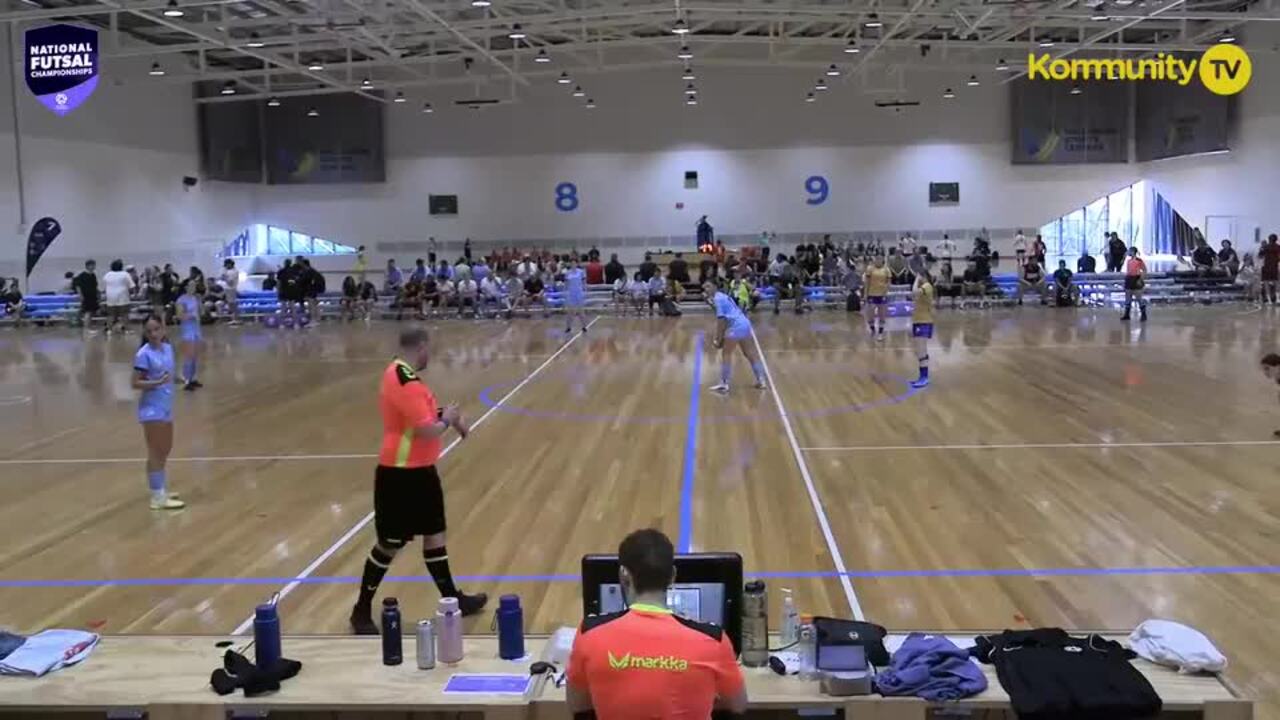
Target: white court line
[[243, 627], [1047, 446], [818, 510]]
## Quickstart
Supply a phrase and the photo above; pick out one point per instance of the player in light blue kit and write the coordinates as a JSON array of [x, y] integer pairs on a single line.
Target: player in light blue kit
[[733, 329], [575, 295], [153, 375], [188, 306]]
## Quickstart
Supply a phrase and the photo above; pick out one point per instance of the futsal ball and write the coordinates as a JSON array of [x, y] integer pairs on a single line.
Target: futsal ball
[[303, 321], [271, 321]]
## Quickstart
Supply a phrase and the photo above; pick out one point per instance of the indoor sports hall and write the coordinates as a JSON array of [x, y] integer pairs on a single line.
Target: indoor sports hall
[[275, 193]]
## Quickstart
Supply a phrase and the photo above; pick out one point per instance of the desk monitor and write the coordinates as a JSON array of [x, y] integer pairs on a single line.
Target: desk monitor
[[708, 588]]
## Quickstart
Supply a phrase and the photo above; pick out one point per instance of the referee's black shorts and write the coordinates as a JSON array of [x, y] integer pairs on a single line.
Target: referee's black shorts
[[407, 502]]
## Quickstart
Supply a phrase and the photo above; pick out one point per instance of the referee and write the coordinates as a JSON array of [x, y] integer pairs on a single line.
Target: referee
[[407, 497]]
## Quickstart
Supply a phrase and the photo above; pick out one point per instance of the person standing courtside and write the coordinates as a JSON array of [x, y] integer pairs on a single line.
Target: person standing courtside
[[86, 285], [646, 661], [408, 499], [1135, 281]]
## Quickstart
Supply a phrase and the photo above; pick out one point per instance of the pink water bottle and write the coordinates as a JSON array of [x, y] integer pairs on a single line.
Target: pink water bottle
[[449, 631]]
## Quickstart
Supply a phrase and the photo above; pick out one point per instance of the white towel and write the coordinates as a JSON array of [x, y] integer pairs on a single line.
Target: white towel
[[48, 651], [1173, 644]]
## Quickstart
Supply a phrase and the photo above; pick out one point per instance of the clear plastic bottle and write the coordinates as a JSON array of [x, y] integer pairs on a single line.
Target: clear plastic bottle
[[808, 649], [789, 632]]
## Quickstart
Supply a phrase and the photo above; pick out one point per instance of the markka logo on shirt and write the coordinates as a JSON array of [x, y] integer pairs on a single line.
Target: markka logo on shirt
[[669, 663]]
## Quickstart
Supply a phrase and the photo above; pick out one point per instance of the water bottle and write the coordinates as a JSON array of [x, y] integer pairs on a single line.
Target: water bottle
[[266, 634], [448, 631], [510, 622], [808, 649], [392, 642], [789, 633], [755, 625]]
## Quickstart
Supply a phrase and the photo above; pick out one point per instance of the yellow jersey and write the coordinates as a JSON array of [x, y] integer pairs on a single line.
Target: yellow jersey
[[877, 280], [922, 304]]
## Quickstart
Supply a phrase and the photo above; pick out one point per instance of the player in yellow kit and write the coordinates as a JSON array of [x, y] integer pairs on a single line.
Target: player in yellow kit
[[875, 284], [922, 324]]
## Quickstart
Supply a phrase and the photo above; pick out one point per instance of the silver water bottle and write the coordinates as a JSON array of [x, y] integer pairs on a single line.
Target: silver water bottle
[[755, 624], [426, 644]]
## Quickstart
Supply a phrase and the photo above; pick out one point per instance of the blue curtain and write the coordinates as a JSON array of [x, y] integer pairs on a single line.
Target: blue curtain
[[1171, 234]]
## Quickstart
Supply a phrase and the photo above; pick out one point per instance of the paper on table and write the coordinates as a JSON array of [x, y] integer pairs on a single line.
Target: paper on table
[[487, 684]]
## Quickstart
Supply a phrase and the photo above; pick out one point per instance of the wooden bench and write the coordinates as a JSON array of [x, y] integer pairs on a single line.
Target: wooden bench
[[168, 677]]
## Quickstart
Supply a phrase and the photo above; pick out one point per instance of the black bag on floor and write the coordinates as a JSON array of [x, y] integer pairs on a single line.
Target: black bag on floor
[[853, 303], [669, 308]]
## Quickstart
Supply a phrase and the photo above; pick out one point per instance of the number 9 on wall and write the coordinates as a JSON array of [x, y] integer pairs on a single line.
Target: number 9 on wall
[[818, 189], [566, 197]]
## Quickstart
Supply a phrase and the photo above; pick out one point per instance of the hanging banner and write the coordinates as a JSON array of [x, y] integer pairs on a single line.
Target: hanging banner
[[43, 233], [61, 65]]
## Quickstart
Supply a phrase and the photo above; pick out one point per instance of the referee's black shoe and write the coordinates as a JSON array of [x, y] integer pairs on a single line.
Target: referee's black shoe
[[471, 604], [362, 621]]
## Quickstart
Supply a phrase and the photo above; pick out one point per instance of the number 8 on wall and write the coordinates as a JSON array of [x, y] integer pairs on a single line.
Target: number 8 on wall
[[566, 197]]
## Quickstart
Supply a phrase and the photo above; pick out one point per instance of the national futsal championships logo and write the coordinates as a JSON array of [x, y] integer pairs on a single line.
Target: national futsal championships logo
[[1224, 69], [61, 65]]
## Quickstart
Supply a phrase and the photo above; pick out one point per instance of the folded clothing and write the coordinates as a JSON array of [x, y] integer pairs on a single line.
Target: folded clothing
[[931, 667], [237, 672], [47, 651], [1173, 644]]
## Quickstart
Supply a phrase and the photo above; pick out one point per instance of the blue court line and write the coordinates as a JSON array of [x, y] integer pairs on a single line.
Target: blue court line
[[571, 577], [690, 451]]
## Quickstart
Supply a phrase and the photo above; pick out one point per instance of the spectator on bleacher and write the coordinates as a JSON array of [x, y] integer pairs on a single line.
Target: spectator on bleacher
[[138, 291], [462, 271], [350, 296], [466, 250], [1269, 253], [468, 294], [614, 270], [593, 255], [639, 294], [231, 289], [514, 293], [1247, 278], [1228, 259], [974, 283], [1115, 253], [1039, 251], [678, 269], [657, 293], [535, 292], [526, 269], [313, 287], [594, 269], [393, 279], [269, 282], [169, 285], [1203, 259], [918, 262], [362, 266], [898, 268], [1031, 277], [410, 297], [1086, 263], [285, 285], [707, 270], [490, 295], [811, 263], [480, 271], [444, 271], [648, 268], [420, 269], [1066, 292], [705, 236], [789, 285], [430, 295], [11, 297], [118, 287], [86, 286], [719, 252], [675, 290], [368, 300]]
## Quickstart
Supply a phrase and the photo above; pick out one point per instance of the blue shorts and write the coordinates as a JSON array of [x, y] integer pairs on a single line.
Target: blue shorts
[[191, 333], [738, 333], [154, 413], [576, 301], [922, 330], [876, 299]]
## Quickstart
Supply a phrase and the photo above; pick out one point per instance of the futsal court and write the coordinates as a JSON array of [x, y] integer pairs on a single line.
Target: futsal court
[[1064, 469]]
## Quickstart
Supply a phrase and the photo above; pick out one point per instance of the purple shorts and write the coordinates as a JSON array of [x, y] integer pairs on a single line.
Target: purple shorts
[[876, 299], [922, 330]]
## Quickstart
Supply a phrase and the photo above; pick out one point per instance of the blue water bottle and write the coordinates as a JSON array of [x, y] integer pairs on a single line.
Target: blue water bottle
[[510, 628], [392, 642], [266, 634]]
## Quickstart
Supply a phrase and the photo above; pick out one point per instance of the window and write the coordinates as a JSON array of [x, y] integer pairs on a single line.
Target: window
[[1122, 212], [278, 241], [300, 243], [270, 240]]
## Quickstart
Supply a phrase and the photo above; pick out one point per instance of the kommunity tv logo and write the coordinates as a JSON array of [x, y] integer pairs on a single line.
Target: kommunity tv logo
[[1224, 69]]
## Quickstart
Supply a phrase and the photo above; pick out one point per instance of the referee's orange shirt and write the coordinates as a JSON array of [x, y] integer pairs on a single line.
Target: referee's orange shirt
[[406, 403], [1134, 266], [646, 663]]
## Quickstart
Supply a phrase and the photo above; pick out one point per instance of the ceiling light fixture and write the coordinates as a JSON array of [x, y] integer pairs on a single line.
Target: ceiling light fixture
[[873, 21], [579, 92], [690, 89], [480, 3], [1046, 42], [820, 86], [1099, 17], [688, 74], [681, 27], [273, 102], [313, 113], [564, 78], [426, 108], [948, 94], [172, 10], [1227, 37], [852, 48], [516, 33], [542, 56], [833, 71], [685, 53], [591, 104], [255, 41], [399, 97], [315, 66], [809, 98], [973, 81], [1002, 65], [229, 88], [156, 70], [691, 101], [1075, 90], [366, 84]]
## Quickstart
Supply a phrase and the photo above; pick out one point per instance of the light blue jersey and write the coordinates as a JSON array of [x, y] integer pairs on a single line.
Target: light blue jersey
[[739, 326], [575, 286], [190, 305], [156, 404]]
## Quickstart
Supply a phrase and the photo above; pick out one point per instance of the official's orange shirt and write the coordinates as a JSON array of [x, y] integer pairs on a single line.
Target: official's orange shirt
[[1135, 266], [406, 403], [646, 663]]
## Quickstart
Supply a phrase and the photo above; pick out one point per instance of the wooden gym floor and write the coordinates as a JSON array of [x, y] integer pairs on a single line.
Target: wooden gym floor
[[1064, 469]]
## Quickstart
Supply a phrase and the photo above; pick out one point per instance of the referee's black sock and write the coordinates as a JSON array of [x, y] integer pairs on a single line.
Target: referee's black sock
[[438, 565], [375, 568]]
